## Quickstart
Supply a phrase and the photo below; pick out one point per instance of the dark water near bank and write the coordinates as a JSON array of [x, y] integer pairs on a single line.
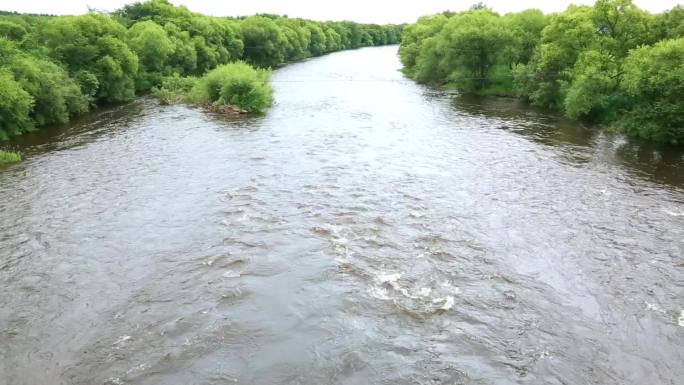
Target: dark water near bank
[[367, 230]]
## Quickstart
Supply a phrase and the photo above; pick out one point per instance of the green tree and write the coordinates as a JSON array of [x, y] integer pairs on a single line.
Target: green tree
[[654, 78], [317, 43], [151, 43], [669, 24], [94, 43], [470, 45], [414, 37], [15, 107], [11, 30], [183, 58], [264, 41], [567, 35], [594, 91], [526, 27], [55, 96], [620, 26]]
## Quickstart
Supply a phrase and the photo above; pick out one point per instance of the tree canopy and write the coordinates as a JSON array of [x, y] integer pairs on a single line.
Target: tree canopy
[[610, 63]]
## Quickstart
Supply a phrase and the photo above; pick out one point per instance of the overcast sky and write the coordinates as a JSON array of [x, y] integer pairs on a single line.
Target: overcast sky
[[368, 11]]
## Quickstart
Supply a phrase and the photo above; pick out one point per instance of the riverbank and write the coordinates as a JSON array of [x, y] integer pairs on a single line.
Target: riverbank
[[377, 231], [627, 73], [54, 68]]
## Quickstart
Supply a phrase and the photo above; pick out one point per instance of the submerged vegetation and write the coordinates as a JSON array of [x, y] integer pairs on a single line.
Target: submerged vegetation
[[7, 157], [610, 63], [54, 68]]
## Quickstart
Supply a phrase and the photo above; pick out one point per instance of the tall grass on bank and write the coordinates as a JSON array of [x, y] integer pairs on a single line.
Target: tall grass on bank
[[7, 157]]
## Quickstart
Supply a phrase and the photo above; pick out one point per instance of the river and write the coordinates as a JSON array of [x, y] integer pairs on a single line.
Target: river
[[366, 230]]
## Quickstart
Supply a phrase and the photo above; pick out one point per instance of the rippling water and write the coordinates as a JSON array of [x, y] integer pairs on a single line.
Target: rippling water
[[367, 230]]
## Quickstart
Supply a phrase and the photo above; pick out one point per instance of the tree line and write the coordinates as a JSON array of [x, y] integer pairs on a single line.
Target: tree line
[[55, 67], [611, 63]]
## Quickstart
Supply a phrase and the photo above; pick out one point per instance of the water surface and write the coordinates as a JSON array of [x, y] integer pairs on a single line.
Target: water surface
[[367, 230]]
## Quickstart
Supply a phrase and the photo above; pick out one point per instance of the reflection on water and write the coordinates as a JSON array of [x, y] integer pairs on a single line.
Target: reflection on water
[[660, 163], [366, 230]]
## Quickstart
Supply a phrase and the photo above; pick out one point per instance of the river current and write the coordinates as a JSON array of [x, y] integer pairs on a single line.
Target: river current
[[366, 230]]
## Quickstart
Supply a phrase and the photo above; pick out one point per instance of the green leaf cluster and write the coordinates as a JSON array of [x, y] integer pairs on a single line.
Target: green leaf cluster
[[235, 84]]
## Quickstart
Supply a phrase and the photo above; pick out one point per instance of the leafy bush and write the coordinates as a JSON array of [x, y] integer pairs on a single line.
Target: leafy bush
[[654, 78], [152, 45], [11, 31], [15, 107], [235, 84], [56, 96], [173, 89], [94, 43]]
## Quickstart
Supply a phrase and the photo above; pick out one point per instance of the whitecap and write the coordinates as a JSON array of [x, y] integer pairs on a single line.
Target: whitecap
[[448, 302], [121, 340], [383, 277], [681, 318], [654, 307], [230, 274], [379, 293], [416, 214], [424, 291]]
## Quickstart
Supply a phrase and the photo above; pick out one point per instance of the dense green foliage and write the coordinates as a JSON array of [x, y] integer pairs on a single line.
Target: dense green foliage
[[173, 89], [235, 84], [15, 106], [610, 63], [53, 68], [653, 79]]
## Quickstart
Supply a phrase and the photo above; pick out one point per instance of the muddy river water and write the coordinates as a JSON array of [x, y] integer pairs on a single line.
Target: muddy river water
[[366, 230]]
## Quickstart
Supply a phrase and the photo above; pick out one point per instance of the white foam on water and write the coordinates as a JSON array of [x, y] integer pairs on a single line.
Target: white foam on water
[[230, 274], [424, 291], [343, 261], [674, 214], [448, 302], [379, 293], [654, 307], [138, 368], [450, 288], [120, 341], [383, 277], [680, 320]]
